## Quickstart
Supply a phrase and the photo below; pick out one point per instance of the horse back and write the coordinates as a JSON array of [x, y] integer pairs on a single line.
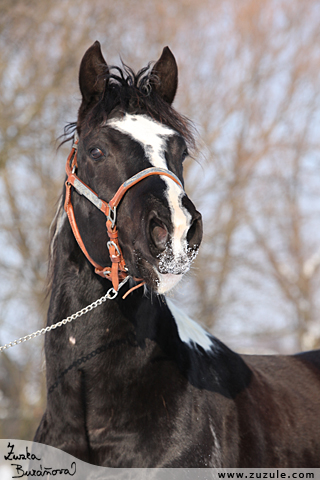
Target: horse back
[[279, 412]]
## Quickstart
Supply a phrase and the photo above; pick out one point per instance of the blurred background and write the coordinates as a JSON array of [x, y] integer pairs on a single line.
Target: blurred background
[[249, 79]]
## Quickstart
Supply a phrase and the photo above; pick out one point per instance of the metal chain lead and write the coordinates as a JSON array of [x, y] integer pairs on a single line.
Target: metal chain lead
[[110, 295]]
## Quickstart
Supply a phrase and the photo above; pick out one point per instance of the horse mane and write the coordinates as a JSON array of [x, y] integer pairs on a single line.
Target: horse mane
[[53, 230]]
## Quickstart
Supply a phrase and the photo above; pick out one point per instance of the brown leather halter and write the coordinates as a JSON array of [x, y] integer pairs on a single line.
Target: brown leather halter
[[118, 270]]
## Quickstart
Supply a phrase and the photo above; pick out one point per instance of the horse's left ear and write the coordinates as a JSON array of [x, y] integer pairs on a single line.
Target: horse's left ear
[[92, 74], [166, 71]]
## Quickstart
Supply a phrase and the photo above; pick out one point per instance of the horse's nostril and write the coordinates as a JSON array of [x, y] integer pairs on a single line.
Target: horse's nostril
[[194, 235], [159, 234], [191, 232]]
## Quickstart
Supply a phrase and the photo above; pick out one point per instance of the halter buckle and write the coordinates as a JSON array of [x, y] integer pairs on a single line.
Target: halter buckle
[[113, 244]]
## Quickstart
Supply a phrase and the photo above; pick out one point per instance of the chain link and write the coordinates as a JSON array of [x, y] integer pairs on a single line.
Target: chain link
[[110, 295]]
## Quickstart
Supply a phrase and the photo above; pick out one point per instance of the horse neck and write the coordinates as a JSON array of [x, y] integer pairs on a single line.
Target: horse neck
[[138, 321], [75, 285]]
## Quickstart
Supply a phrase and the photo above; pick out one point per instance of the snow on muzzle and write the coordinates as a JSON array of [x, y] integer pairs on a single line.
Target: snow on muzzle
[[178, 249]]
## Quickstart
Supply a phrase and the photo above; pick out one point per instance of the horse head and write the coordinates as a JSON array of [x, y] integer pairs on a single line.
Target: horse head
[[126, 124]]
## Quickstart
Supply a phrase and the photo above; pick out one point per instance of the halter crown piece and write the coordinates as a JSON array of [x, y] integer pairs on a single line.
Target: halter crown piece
[[118, 270]]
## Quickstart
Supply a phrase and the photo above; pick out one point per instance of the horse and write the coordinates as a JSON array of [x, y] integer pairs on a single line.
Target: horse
[[136, 382]]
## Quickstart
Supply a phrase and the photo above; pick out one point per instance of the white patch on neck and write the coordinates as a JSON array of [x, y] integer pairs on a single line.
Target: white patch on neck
[[152, 136], [190, 332]]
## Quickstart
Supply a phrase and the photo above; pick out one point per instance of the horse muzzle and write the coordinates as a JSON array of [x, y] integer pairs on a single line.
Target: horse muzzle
[[174, 246]]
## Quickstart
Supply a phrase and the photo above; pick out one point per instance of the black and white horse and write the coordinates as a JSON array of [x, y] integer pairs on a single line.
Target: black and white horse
[[135, 382]]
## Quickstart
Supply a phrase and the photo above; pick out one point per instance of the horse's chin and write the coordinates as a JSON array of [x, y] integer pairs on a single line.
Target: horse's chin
[[167, 281], [159, 283]]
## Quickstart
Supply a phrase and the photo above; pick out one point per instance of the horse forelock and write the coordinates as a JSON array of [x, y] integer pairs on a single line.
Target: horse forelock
[[134, 93]]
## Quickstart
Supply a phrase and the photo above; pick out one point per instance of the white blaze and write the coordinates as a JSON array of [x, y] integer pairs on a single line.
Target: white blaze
[[152, 136]]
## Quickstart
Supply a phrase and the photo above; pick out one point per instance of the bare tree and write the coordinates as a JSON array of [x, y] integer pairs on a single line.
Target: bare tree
[[249, 79], [259, 265]]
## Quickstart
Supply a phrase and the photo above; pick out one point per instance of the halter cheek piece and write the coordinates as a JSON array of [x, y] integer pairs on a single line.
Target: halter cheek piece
[[118, 270]]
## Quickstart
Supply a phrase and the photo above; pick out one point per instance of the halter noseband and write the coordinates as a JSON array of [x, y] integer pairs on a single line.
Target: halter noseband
[[118, 270]]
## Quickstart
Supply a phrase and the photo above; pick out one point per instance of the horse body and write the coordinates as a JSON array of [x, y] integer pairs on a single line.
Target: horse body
[[136, 383]]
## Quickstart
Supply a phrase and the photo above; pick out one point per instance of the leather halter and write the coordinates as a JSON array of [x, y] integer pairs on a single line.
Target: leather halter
[[118, 270]]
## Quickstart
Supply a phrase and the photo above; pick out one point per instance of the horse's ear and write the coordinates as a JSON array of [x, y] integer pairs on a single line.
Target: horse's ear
[[93, 70], [166, 71]]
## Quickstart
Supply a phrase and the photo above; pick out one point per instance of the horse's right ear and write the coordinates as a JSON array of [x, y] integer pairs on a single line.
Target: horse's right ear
[[93, 70], [166, 72]]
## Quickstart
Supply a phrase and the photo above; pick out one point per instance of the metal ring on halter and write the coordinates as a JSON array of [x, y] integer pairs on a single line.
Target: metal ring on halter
[[112, 217], [115, 246], [112, 293]]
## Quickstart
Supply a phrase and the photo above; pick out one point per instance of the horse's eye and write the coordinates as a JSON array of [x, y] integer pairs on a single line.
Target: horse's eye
[[185, 154], [96, 153]]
